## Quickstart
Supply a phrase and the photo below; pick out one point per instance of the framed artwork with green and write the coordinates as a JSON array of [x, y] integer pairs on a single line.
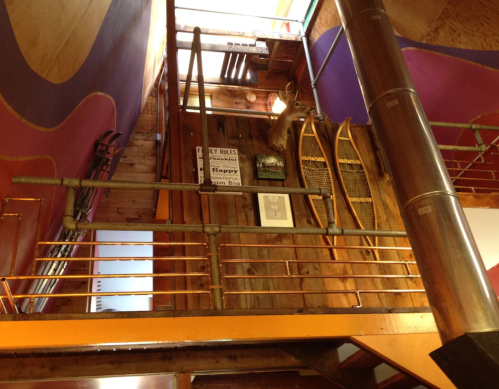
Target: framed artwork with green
[[270, 167]]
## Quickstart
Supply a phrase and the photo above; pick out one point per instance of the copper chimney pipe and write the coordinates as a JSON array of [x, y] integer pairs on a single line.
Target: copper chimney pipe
[[457, 285]]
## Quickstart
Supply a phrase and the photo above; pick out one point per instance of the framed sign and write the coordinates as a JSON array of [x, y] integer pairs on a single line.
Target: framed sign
[[275, 210], [224, 164], [270, 167]]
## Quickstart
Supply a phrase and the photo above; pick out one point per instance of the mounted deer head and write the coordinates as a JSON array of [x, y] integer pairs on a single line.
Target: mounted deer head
[[277, 137]]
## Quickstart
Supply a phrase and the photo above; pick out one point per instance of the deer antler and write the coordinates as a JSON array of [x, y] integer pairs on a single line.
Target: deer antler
[[287, 92], [289, 83], [277, 135]]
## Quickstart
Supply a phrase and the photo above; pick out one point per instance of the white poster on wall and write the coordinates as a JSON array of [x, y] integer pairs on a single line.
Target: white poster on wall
[[224, 165]]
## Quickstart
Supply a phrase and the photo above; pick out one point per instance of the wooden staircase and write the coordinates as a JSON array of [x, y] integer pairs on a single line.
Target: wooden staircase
[[365, 360], [357, 371]]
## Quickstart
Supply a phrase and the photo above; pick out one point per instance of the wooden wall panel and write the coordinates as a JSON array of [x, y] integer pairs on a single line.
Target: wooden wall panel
[[248, 136], [468, 25], [453, 23], [138, 163], [262, 380], [479, 200]]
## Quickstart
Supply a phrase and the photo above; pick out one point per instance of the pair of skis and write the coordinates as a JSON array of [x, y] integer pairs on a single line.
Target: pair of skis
[[103, 153]]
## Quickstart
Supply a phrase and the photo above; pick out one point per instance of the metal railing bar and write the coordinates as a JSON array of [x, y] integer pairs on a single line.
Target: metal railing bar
[[279, 18], [470, 126], [83, 183], [474, 170], [102, 294], [479, 156], [8, 295], [60, 243], [92, 276], [474, 179], [297, 246], [475, 187], [325, 276], [94, 259], [311, 72], [324, 291], [232, 110], [330, 262], [328, 56], [7, 199]]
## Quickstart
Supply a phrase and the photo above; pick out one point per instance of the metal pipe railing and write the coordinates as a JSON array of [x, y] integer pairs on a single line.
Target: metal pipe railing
[[234, 111], [92, 259], [99, 276], [471, 126], [8, 294], [479, 156], [278, 18], [311, 73], [328, 56], [356, 292], [33, 296], [216, 284], [82, 183], [71, 184]]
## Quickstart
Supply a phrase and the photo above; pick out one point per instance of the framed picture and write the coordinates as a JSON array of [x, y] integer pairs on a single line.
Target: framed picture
[[275, 210], [270, 167]]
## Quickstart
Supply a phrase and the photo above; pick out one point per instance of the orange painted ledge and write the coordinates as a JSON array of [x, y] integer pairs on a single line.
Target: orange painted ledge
[[43, 334]]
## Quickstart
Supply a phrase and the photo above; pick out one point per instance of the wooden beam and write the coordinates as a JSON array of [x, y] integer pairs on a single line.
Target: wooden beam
[[183, 381], [246, 34], [361, 360], [479, 200], [247, 62], [323, 358], [218, 48], [298, 57], [141, 362], [273, 57], [271, 380], [231, 66], [219, 80], [399, 381], [33, 333], [240, 60], [225, 63]]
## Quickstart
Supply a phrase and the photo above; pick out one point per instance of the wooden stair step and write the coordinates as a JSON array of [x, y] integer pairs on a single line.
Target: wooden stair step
[[399, 381], [361, 360]]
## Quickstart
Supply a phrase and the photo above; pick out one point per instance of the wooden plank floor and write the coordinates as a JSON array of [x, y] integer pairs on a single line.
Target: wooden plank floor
[[248, 135]]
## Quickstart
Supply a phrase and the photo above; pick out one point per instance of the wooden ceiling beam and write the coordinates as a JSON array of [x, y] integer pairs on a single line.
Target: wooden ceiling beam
[[218, 48], [242, 34], [361, 360], [323, 358], [141, 362]]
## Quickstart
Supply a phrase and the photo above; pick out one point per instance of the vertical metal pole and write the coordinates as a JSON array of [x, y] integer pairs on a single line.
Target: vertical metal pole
[[456, 282], [215, 271], [37, 237], [16, 246], [328, 203], [202, 106], [6, 287], [328, 56], [311, 72], [2, 307]]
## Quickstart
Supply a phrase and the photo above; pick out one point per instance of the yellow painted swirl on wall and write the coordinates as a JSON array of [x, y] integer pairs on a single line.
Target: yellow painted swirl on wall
[[55, 36]]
